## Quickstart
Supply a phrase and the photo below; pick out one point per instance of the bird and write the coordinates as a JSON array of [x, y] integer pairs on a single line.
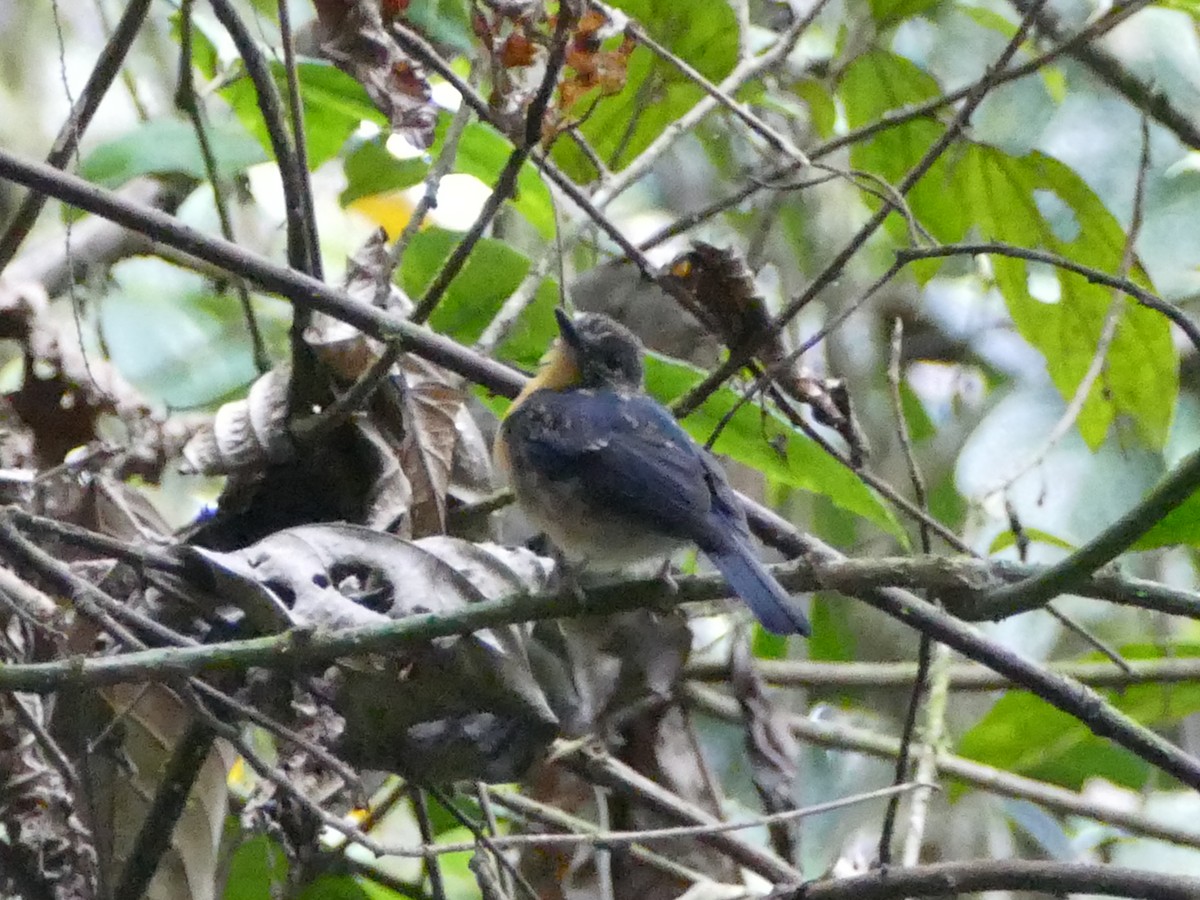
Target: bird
[[609, 476]]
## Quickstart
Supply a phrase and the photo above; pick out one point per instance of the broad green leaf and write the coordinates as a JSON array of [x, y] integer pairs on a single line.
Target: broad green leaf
[[766, 645], [371, 169], [625, 124], [1025, 735], [916, 419], [821, 109], [442, 21], [878, 82], [336, 887], [833, 637], [1007, 539], [170, 146], [702, 32], [891, 12], [257, 871], [490, 275], [334, 107], [621, 126], [1180, 526], [990, 19], [1038, 202], [483, 152], [534, 329]]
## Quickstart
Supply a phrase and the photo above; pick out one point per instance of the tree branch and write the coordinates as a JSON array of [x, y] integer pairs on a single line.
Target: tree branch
[[957, 878], [838, 736]]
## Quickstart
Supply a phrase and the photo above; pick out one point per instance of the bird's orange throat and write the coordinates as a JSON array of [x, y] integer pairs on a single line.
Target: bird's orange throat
[[557, 372]]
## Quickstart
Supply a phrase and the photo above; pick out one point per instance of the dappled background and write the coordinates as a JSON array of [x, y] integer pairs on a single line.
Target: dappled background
[[716, 175]]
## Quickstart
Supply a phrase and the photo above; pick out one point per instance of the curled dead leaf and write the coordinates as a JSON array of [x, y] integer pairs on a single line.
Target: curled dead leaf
[[356, 40], [719, 289], [454, 708], [245, 433]]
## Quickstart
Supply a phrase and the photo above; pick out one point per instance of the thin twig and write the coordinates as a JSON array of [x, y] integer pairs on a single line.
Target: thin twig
[[743, 73], [275, 122], [433, 867], [433, 180], [987, 778], [842, 676], [109, 63], [935, 714], [187, 100], [300, 148], [506, 181], [170, 800], [895, 118], [1147, 97], [962, 578], [742, 354], [529, 809], [976, 876]]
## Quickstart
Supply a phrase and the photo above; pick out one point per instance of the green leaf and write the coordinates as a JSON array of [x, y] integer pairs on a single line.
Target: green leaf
[[371, 169], [442, 21], [767, 645], [483, 152], [1038, 202], [769, 445], [1031, 201], [334, 887], [258, 870], [920, 426], [821, 108], [534, 329], [490, 275], [1025, 735], [833, 637], [702, 32], [1180, 526], [891, 12], [334, 107], [170, 146], [878, 82], [1007, 539]]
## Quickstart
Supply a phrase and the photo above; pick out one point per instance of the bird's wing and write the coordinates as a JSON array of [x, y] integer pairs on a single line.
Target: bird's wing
[[630, 453]]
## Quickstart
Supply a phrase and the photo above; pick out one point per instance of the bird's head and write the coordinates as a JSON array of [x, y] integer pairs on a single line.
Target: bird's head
[[592, 351], [602, 351]]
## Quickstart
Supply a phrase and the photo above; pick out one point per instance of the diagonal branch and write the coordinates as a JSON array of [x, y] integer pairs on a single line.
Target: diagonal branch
[[1002, 875], [506, 183]]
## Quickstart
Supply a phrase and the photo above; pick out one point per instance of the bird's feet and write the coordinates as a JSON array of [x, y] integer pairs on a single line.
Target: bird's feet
[[566, 581]]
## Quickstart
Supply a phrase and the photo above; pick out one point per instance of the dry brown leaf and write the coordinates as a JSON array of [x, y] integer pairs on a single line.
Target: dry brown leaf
[[431, 401], [721, 292], [245, 434], [354, 38], [154, 720]]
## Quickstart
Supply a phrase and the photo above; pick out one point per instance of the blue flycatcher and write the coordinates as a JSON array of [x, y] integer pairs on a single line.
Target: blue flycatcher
[[610, 477]]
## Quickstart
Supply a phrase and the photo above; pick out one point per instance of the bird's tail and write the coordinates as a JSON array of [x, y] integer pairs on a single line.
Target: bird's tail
[[751, 581]]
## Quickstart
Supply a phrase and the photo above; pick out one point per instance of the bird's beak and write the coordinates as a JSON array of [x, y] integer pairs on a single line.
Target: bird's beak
[[566, 328]]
